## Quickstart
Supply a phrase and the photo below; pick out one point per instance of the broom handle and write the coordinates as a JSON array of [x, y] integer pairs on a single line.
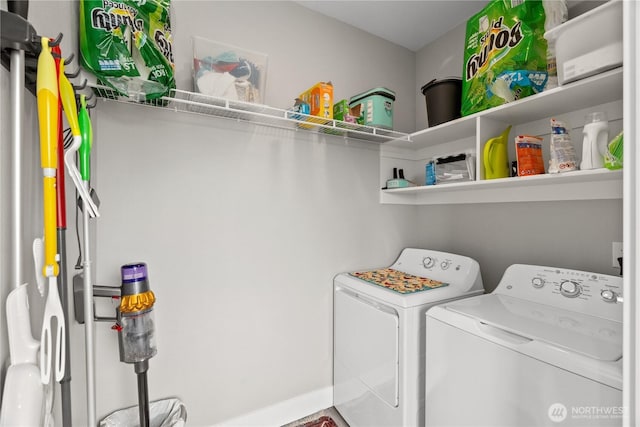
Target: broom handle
[[17, 135]]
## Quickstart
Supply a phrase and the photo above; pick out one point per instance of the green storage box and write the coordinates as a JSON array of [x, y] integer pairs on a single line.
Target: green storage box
[[376, 106]]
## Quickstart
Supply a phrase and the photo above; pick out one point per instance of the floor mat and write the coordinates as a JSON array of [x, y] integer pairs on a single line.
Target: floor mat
[[321, 422], [328, 417]]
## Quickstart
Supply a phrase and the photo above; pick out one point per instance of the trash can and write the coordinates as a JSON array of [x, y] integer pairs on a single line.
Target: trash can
[[443, 99], [162, 413]]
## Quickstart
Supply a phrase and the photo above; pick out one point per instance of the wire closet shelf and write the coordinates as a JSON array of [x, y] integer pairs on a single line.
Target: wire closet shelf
[[195, 103]]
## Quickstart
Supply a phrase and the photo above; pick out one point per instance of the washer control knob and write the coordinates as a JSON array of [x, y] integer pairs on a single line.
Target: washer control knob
[[445, 264], [428, 262], [608, 295], [569, 289], [537, 282]]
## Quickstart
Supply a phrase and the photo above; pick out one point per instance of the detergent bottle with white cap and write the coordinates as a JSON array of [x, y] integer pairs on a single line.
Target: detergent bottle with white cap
[[594, 145]]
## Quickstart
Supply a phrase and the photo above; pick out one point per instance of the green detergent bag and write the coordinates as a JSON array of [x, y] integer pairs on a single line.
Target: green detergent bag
[[127, 45], [505, 54]]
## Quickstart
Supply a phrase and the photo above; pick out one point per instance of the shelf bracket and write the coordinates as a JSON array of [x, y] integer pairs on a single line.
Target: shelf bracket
[[18, 34]]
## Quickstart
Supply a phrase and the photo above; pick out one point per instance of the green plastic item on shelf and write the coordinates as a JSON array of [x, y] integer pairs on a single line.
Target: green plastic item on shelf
[[613, 156]]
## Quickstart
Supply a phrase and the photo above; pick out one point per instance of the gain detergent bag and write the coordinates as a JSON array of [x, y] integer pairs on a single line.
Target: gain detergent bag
[[505, 54], [127, 45]]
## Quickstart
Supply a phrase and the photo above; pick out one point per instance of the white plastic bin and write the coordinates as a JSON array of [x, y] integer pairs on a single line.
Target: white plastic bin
[[590, 43], [162, 413]]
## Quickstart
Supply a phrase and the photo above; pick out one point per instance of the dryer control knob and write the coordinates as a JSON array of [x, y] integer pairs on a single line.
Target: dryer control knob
[[428, 262], [608, 295], [569, 289]]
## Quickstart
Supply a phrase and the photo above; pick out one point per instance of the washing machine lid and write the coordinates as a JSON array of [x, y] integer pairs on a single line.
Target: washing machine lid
[[590, 336]]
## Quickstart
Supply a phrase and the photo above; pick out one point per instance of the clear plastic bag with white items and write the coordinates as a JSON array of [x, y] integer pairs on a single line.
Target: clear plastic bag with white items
[[563, 154], [162, 413]]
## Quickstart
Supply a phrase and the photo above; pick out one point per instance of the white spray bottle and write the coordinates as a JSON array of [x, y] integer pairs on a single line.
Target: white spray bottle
[[594, 145]]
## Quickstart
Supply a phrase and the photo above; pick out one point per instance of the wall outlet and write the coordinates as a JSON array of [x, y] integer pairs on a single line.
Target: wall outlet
[[616, 252]]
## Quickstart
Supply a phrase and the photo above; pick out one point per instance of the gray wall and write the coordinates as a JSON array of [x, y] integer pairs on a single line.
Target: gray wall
[[243, 231], [575, 235], [437, 60], [244, 227]]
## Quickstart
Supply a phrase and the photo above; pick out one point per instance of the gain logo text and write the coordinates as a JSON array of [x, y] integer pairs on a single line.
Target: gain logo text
[[498, 38]]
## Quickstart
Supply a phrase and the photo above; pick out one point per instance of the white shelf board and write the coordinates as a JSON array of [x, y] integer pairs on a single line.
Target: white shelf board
[[453, 130], [595, 90], [579, 185], [195, 103]]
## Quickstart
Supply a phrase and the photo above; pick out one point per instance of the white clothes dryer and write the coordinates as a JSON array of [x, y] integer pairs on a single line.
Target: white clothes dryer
[[379, 341], [543, 349]]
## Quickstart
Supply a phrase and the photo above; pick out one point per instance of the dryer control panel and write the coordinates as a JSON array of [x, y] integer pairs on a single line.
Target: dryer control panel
[[442, 266], [581, 291]]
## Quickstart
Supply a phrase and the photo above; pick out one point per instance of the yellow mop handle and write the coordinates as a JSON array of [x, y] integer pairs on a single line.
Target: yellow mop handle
[[50, 243], [47, 94]]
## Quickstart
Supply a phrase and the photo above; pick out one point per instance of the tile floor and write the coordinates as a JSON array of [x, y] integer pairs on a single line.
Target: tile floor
[[330, 412]]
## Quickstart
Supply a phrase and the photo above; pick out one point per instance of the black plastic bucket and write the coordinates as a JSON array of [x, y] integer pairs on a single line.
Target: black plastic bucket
[[443, 100]]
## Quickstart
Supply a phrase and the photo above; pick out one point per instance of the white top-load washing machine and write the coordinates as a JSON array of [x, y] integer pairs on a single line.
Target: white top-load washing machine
[[543, 349], [379, 337]]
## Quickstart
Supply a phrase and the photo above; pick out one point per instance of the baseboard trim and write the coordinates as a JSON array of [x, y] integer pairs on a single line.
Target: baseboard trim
[[284, 412]]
